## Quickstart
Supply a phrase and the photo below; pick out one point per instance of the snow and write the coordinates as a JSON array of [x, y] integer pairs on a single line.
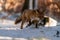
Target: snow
[[51, 21], [10, 31]]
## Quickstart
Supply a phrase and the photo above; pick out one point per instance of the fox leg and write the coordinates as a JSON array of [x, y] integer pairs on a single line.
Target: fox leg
[[29, 24], [22, 24], [35, 22], [36, 25]]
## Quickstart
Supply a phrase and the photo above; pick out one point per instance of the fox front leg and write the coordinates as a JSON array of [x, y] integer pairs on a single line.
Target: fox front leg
[[29, 24], [36, 25], [35, 22]]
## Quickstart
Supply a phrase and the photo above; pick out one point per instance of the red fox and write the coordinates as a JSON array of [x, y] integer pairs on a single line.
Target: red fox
[[28, 15]]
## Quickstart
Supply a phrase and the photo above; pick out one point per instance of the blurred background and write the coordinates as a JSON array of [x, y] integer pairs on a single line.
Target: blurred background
[[10, 9]]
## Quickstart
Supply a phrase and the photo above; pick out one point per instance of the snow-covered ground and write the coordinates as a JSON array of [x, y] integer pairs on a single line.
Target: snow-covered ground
[[10, 31]]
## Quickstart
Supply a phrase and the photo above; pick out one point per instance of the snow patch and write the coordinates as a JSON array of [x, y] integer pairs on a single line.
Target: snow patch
[[52, 22]]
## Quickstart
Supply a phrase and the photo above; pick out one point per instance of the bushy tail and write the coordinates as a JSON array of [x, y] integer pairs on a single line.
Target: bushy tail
[[18, 20]]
